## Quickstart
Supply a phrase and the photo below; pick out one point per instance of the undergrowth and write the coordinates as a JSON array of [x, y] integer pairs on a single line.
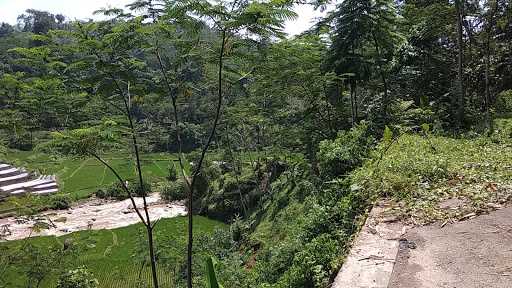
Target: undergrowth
[[422, 173], [300, 229]]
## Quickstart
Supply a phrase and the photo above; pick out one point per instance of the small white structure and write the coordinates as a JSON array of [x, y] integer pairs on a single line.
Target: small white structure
[[15, 182]]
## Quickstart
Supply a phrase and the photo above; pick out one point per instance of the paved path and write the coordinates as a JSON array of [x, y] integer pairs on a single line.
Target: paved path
[[372, 257], [476, 253]]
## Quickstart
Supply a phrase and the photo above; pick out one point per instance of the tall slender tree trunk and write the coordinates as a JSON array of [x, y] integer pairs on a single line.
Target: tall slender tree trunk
[[152, 256], [146, 220], [237, 178], [356, 112], [191, 183], [487, 88], [352, 104], [353, 101], [197, 170], [489, 26], [149, 227], [460, 65], [385, 99]]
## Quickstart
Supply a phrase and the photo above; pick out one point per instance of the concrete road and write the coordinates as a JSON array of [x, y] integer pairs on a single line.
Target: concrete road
[[476, 253]]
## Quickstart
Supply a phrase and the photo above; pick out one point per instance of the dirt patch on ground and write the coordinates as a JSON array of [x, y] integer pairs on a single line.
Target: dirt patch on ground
[[94, 214], [471, 254], [452, 203]]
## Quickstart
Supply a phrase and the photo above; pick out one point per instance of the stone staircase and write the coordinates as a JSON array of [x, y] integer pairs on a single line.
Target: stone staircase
[[16, 182]]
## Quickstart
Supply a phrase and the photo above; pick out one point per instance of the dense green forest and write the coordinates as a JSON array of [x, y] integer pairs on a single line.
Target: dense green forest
[[287, 140]]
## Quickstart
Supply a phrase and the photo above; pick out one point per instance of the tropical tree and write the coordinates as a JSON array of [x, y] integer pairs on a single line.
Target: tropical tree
[[365, 39], [109, 47], [234, 22]]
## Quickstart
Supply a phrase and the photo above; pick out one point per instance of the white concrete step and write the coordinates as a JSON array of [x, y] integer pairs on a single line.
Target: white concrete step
[[33, 183], [46, 192], [18, 192], [9, 172], [48, 185], [4, 166], [16, 181], [18, 178]]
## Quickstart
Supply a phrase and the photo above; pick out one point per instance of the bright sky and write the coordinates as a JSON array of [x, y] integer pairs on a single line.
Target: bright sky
[[83, 9]]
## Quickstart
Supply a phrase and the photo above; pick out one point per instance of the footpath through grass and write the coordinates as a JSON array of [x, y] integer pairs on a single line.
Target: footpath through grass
[[115, 256]]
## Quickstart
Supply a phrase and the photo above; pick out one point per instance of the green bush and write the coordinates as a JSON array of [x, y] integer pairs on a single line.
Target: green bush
[[420, 171], [337, 157], [201, 185], [174, 190], [21, 141], [315, 260], [405, 114], [397, 170], [116, 190], [504, 102], [214, 170], [191, 136], [502, 131], [172, 173], [274, 261], [3, 148], [135, 188], [101, 193], [59, 202], [77, 278], [229, 194]]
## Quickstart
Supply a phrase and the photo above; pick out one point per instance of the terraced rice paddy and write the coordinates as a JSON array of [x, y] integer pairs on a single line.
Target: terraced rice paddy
[[115, 257], [81, 177]]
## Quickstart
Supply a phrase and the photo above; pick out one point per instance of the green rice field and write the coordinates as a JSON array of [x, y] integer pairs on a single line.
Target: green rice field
[[115, 256]]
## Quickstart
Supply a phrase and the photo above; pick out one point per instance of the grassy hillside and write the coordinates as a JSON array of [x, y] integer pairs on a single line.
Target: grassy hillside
[[436, 178], [113, 256], [302, 228]]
